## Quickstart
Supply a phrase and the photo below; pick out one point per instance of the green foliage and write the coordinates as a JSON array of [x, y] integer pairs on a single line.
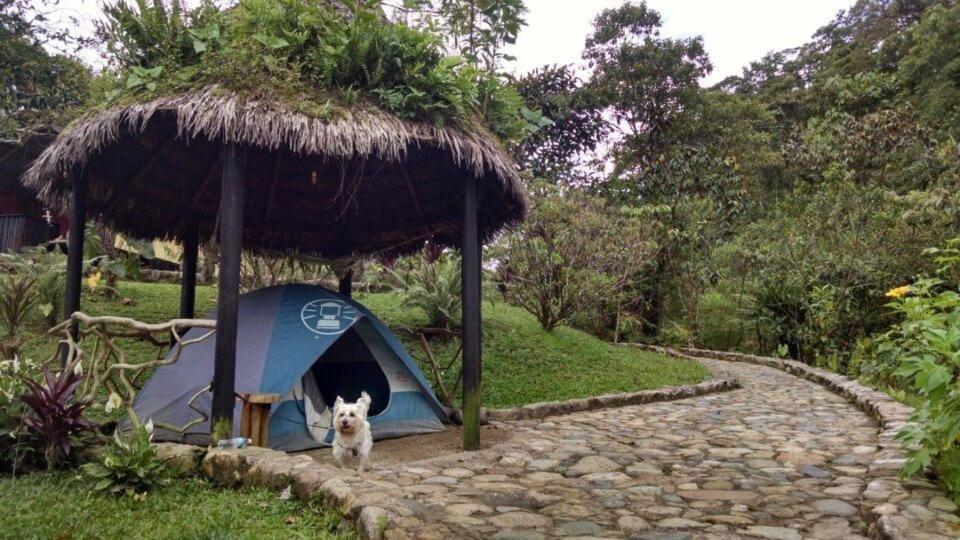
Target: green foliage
[[721, 324], [924, 346], [47, 270], [129, 466], [573, 254], [17, 301], [432, 284], [55, 415], [308, 55], [40, 89]]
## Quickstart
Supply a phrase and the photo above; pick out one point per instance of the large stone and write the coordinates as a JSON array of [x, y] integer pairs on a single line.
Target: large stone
[[718, 494], [773, 533], [592, 464], [521, 520], [680, 523], [180, 459], [814, 472], [632, 524], [834, 507], [579, 528]]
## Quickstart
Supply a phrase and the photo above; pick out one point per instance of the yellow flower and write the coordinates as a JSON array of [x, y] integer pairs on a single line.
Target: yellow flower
[[93, 280], [898, 292]]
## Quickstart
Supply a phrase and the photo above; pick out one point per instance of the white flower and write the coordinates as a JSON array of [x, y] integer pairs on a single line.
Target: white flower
[[149, 426], [78, 369], [113, 403]]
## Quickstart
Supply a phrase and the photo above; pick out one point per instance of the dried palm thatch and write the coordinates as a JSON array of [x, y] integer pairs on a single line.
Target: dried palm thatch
[[365, 182]]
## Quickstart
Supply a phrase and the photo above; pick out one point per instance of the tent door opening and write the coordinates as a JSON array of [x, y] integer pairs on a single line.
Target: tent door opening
[[347, 368]]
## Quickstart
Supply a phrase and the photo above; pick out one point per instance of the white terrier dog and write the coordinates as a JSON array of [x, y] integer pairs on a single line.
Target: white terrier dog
[[352, 439]]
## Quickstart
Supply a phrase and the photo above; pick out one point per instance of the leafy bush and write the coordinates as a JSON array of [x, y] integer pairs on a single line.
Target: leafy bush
[[431, 283], [128, 467], [315, 56], [17, 301], [47, 268], [721, 325], [924, 346], [574, 254], [55, 417]]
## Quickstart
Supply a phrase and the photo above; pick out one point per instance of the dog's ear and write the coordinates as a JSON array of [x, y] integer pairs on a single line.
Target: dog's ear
[[364, 400], [337, 403]]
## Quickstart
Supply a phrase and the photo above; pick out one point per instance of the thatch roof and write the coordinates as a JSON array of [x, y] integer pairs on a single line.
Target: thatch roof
[[17, 154], [364, 183]]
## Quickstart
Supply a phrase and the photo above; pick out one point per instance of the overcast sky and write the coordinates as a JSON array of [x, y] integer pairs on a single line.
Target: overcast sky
[[735, 31]]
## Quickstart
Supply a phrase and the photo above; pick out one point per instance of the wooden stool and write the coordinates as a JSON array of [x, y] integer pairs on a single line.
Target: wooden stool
[[255, 416]]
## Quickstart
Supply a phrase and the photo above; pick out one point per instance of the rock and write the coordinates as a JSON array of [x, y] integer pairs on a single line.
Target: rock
[[542, 464], [643, 469], [680, 523], [518, 535], [457, 473], [373, 521], [720, 495], [225, 467], [800, 458], [592, 464], [943, 504], [579, 528], [520, 520], [468, 509], [814, 472], [443, 480], [180, 459], [834, 507], [632, 524], [773, 533], [837, 528], [729, 519]]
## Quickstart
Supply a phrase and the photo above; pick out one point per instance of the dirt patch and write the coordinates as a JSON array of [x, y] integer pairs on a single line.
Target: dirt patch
[[420, 447]]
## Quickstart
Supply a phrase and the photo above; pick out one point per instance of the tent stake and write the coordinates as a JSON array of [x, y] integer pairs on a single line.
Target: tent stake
[[228, 293], [470, 291]]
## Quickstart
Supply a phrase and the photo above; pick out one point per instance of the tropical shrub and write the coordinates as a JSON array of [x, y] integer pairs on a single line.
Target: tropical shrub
[[721, 325], [431, 282], [925, 348], [129, 466], [17, 301], [574, 254], [47, 268], [55, 416], [312, 55]]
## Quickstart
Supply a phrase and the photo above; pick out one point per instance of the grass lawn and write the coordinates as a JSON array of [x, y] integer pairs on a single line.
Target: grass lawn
[[523, 363], [59, 506]]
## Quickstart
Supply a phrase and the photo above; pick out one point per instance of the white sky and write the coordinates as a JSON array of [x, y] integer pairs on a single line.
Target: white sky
[[735, 32]]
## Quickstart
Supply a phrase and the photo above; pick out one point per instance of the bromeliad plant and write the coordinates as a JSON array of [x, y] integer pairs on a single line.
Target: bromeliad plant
[[925, 347], [55, 414]]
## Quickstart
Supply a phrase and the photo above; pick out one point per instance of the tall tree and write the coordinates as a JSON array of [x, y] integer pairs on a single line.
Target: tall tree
[[562, 149]]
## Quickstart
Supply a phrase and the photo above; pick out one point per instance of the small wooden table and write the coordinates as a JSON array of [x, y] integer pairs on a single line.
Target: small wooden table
[[255, 416]]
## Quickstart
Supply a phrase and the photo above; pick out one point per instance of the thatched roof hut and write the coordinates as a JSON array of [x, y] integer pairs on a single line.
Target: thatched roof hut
[[360, 180], [367, 182]]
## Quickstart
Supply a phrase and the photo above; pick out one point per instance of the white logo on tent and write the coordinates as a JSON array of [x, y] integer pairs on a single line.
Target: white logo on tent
[[328, 317]]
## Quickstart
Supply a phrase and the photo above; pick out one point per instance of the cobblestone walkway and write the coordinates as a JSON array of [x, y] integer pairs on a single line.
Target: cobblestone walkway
[[782, 458]]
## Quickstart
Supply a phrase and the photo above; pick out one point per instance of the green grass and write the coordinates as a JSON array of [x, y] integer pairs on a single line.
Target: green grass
[[60, 506], [523, 363]]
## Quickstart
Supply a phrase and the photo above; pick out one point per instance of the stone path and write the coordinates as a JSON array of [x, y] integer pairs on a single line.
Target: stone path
[[782, 458]]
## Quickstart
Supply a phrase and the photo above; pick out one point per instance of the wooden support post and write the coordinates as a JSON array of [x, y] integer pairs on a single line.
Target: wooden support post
[[228, 292], [346, 284], [470, 292], [255, 417], [74, 276], [188, 270]]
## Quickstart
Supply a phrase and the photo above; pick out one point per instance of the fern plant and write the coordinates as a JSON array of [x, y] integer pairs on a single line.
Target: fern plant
[[432, 286]]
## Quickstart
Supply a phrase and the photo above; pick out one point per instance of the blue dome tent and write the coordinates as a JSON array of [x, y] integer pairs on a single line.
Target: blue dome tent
[[310, 345]]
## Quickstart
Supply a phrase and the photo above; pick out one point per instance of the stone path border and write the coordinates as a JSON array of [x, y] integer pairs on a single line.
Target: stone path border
[[555, 408], [369, 503], [893, 507]]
